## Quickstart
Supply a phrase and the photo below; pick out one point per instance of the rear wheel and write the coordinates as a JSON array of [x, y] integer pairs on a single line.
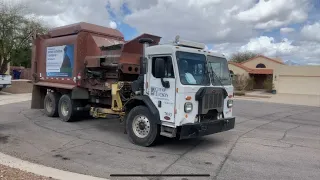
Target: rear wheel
[[51, 101], [141, 126], [66, 108]]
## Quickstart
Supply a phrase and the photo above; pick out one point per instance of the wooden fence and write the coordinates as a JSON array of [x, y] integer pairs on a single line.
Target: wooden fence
[[25, 72]]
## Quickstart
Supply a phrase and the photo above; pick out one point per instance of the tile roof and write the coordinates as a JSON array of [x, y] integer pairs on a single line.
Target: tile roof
[[253, 71], [261, 71], [276, 61], [240, 66]]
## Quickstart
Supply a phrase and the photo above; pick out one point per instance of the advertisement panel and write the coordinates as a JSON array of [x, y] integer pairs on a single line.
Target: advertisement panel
[[60, 61]]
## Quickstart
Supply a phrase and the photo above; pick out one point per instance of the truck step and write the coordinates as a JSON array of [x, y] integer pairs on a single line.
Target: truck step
[[166, 134]]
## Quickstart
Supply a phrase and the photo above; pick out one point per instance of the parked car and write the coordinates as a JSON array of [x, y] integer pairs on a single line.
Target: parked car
[[5, 81]]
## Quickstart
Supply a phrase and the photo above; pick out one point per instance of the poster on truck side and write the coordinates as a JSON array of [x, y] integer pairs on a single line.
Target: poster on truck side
[[60, 61]]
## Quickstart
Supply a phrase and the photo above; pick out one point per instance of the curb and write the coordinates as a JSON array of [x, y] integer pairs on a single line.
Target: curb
[[42, 170], [257, 96]]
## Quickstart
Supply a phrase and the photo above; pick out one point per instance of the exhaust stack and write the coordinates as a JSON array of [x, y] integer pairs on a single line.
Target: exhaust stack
[[143, 63]]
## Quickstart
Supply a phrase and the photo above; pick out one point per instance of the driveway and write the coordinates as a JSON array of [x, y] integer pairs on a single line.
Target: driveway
[[8, 98], [293, 99], [270, 141]]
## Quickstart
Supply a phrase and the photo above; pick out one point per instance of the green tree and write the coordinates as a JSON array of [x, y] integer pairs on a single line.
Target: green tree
[[16, 31], [240, 57]]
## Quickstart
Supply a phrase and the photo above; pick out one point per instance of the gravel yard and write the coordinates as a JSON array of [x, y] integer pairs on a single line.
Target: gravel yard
[[8, 173]]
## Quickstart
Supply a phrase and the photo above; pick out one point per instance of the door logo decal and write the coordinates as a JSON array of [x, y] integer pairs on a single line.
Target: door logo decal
[[159, 92]]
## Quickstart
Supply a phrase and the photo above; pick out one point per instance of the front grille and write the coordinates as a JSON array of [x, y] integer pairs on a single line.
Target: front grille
[[210, 98], [213, 101]]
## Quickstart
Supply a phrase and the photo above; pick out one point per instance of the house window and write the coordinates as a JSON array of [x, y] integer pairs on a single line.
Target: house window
[[261, 65]]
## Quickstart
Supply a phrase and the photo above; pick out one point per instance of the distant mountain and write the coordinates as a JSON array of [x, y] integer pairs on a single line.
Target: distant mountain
[[292, 63]]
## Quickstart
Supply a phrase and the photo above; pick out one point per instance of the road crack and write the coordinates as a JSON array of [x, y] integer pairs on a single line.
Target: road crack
[[181, 156], [286, 132], [93, 140], [239, 137]]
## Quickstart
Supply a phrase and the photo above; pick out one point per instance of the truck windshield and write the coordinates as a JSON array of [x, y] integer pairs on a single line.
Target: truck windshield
[[192, 68], [220, 67]]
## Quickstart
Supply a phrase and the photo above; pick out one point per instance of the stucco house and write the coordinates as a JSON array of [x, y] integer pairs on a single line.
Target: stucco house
[[260, 68], [286, 78]]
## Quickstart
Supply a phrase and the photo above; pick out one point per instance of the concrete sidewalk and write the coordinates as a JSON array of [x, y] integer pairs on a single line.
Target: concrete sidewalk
[[8, 98], [294, 99], [259, 94]]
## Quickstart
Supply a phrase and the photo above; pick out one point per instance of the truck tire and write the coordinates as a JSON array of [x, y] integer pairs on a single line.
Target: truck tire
[[141, 126], [66, 108], [51, 101]]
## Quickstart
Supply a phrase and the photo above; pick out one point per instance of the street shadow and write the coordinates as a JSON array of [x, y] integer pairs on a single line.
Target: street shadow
[[205, 142]]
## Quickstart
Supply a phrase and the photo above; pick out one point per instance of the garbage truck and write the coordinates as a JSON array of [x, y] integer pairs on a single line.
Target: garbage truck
[[177, 90]]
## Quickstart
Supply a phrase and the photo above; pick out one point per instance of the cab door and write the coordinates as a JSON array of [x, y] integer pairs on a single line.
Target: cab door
[[163, 97]]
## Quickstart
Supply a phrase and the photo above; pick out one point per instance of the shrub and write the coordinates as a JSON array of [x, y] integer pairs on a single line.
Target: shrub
[[250, 84], [241, 83], [268, 84], [239, 93]]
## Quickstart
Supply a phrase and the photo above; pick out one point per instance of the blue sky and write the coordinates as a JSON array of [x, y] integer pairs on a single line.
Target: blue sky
[[282, 31], [288, 29], [128, 31]]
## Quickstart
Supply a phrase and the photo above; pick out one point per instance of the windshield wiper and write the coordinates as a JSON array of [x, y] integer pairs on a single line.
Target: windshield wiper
[[207, 78], [216, 77]]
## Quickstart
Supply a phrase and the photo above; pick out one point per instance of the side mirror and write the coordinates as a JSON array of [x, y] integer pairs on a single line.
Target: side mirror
[[159, 68]]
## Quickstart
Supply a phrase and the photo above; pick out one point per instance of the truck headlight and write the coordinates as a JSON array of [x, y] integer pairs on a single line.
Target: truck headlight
[[188, 107], [230, 103]]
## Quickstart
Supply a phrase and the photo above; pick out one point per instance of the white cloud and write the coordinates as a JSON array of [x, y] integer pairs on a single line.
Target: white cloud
[[311, 32], [208, 21], [113, 25], [313, 64], [287, 30], [303, 52], [268, 46], [308, 52], [226, 25], [63, 12], [269, 14]]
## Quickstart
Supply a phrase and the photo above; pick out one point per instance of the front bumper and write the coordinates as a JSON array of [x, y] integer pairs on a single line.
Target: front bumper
[[205, 128]]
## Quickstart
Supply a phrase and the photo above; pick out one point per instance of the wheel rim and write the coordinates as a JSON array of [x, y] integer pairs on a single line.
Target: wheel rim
[[141, 126], [49, 105], [64, 108]]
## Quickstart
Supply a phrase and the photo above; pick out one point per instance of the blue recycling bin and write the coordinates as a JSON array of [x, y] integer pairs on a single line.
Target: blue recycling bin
[[16, 74]]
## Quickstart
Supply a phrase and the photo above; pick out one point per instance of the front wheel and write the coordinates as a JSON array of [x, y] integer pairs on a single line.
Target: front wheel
[[141, 126]]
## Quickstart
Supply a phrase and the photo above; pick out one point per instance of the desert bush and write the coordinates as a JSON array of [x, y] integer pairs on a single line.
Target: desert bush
[[239, 93], [241, 83], [268, 84]]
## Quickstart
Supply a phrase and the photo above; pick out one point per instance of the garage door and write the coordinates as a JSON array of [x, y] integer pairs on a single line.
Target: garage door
[[299, 85]]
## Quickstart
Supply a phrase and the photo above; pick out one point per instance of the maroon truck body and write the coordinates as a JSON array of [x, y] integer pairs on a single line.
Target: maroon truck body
[[90, 44], [92, 58]]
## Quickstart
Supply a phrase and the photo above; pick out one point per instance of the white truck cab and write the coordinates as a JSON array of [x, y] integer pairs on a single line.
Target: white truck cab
[[189, 87]]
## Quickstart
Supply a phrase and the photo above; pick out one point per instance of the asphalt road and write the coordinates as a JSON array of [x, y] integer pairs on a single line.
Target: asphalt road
[[270, 141]]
